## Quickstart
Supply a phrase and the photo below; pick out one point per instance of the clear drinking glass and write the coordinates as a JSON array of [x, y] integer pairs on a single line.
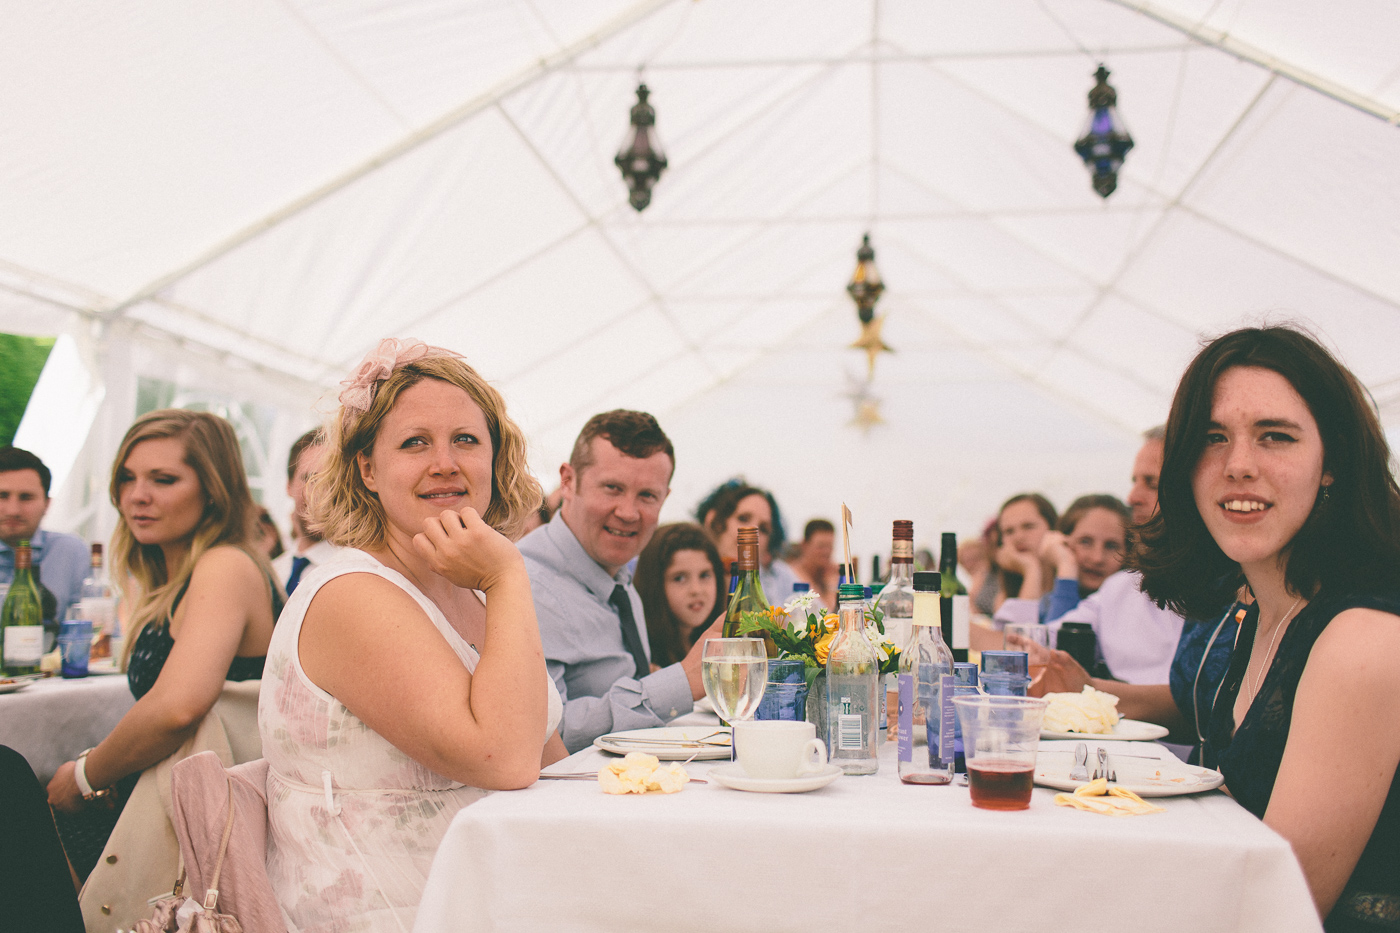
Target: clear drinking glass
[[1033, 639], [1000, 737], [735, 674]]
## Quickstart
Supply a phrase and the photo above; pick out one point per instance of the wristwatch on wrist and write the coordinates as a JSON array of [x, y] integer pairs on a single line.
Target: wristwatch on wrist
[[80, 776]]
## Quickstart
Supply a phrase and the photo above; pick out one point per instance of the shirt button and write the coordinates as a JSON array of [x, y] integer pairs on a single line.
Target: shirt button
[[106, 908], [674, 713]]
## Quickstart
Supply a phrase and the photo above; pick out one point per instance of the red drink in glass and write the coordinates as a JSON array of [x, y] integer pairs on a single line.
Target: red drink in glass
[[1000, 785]]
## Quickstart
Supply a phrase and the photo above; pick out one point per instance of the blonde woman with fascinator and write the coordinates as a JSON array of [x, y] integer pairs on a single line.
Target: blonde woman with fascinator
[[200, 600], [406, 679]]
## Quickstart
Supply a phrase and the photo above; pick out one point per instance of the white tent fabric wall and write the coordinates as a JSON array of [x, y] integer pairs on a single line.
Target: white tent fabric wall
[[259, 194]]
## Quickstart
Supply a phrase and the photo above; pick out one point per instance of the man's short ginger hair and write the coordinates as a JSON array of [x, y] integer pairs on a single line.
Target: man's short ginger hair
[[634, 433]]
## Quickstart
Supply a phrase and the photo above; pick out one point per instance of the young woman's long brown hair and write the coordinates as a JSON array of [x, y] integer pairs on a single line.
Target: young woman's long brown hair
[[663, 628]]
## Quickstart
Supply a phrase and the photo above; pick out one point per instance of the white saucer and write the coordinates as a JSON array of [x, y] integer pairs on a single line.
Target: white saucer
[[734, 777]]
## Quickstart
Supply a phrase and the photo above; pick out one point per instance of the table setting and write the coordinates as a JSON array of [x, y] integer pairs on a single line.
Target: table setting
[[659, 828]]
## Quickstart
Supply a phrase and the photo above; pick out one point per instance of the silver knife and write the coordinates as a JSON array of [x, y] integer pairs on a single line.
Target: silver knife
[[1080, 771]]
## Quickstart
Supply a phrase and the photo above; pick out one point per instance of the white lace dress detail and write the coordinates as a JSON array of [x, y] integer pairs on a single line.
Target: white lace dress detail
[[353, 823]]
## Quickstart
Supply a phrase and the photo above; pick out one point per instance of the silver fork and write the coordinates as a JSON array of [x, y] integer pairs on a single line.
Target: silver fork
[[1103, 770]]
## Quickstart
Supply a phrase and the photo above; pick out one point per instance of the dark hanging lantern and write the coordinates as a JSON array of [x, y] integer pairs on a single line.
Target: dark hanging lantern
[[1105, 140], [866, 286], [640, 159]]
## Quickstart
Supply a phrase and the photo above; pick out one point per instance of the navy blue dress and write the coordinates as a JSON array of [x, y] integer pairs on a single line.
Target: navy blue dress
[[1249, 757]]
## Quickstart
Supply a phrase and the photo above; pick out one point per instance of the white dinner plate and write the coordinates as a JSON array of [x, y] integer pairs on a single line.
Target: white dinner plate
[[103, 666], [1127, 730], [735, 778], [14, 686], [719, 747], [1146, 777]]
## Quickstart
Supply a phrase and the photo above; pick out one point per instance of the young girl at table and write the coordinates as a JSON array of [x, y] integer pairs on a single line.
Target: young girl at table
[[406, 677], [1277, 475], [200, 602], [681, 581]]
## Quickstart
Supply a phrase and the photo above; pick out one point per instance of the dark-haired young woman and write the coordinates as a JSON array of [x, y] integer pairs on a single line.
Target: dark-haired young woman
[[1277, 475], [681, 581]]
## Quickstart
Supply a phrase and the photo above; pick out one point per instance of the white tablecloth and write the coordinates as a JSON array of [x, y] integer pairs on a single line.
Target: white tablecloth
[[53, 720], [866, 853]]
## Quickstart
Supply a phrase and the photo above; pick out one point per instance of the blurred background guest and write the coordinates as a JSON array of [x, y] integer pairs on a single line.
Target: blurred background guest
[[736, 504], [1022, 522], [983, 575], [1086, 548], [308, 549], [813, 563], [268, 539], [201, 606], [681, 581], [62, 560]]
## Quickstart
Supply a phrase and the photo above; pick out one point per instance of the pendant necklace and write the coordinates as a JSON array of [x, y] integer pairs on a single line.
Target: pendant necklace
[[1268, 657]]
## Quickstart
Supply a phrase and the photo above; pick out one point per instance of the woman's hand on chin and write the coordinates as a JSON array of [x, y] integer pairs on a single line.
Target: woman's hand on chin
[[468, 552]]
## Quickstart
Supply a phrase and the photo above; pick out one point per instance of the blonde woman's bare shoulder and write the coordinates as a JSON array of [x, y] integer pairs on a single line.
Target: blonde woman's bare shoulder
[[225, 561]]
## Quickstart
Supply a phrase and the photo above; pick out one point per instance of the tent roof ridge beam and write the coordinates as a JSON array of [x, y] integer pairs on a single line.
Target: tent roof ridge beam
[[545, 65], [1221, 39], [883, 58]]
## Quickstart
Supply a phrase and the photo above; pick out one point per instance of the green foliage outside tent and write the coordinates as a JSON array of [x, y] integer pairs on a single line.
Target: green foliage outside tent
[[21, 361]]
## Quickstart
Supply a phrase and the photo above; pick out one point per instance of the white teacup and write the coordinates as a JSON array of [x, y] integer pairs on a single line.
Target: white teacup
[[778, 749]]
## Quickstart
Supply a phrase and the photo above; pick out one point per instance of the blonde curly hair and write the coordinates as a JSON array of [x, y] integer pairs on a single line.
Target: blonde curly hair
[[343, 511]]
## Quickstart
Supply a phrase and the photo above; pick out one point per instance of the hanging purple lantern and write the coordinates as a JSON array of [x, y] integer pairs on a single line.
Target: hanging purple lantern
[[1105, 140]]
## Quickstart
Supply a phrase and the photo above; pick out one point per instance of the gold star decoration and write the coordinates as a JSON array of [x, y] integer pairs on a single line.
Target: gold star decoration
[[871, 342], [867, 406]]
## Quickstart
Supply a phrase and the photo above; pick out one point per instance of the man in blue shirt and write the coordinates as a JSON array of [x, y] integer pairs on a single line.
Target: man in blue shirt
[[591, 624], [62, 560]]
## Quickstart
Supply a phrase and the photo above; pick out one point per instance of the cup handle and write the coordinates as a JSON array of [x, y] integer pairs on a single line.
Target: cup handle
[[813, 758]]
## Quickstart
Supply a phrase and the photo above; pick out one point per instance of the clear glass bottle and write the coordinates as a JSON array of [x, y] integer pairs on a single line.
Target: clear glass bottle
[[852, 677], [748, 590], [926, 686], [99, 605], [22, 617], [896, 602]]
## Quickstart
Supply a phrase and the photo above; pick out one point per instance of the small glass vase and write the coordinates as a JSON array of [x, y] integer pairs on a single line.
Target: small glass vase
[[786, 693]]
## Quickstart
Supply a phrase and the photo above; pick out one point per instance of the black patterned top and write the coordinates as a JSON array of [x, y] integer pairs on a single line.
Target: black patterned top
[[153, 646], [1249, 757]]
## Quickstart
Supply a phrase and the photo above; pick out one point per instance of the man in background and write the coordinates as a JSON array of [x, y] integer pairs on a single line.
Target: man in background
[[62, 560], [308, 549]]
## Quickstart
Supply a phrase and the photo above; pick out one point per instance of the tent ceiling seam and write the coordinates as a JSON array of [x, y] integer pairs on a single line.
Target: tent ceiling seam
[[1052, 346], [344, 63], [603, 233], [404, 146], [1247, 52]]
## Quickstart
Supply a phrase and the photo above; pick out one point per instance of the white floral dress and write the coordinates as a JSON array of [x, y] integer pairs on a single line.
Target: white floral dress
[[353, 822]]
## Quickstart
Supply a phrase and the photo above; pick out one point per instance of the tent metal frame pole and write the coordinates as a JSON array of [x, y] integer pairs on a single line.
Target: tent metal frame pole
[[1222, 40], [413, 141]]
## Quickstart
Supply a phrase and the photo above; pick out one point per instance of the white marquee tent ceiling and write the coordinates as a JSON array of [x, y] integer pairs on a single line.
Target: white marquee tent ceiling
[[245, 197]]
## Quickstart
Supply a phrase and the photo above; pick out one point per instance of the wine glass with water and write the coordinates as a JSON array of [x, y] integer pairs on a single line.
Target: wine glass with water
[[735, 674]]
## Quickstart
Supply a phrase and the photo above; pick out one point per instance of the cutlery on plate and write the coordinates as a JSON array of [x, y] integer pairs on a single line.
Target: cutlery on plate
[[1080, 771], [714, 739], [1102, 771]]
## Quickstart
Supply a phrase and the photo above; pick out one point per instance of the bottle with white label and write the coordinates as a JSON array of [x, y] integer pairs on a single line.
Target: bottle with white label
[[99, 606], [852, 677], [896, 603], [957, 607], [926, 687], [22, 618]]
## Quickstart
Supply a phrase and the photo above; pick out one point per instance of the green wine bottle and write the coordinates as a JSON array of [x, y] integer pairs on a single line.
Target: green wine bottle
[[748, 592], [22, 618], [954, 606]]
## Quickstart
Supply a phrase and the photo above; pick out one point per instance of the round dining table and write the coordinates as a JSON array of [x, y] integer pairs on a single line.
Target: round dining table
[[52, 720]]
